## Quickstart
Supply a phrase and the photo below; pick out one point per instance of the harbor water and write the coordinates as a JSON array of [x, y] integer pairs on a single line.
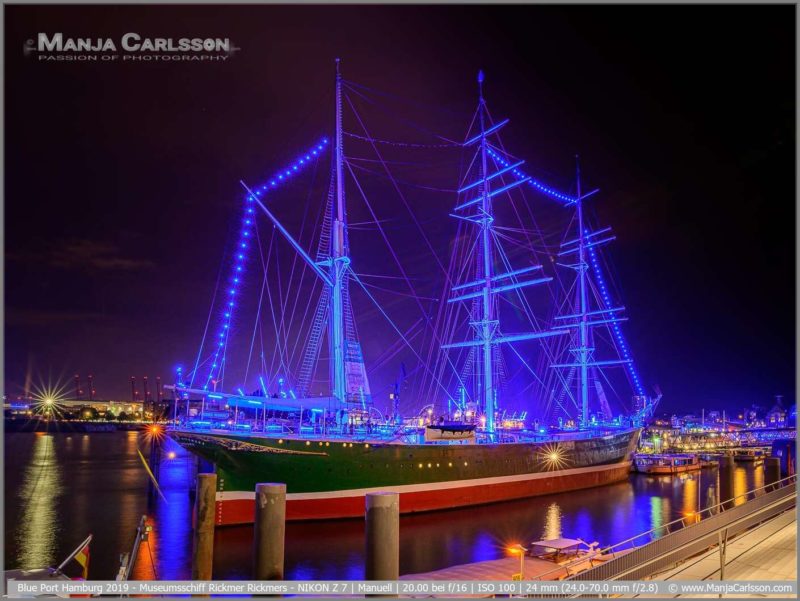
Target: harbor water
[[65, 486]]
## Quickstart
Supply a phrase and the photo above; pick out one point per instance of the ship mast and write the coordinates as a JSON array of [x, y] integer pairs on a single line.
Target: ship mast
[[585, 318], [583, 329], [484, 289], [339, 260], [487, 325]]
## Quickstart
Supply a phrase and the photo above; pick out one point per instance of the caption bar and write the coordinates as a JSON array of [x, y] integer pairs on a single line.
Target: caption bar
[[402, 587]]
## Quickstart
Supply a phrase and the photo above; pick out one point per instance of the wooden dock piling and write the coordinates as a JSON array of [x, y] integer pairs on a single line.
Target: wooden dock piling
[[203, 547], [269, 531], [382, 536]]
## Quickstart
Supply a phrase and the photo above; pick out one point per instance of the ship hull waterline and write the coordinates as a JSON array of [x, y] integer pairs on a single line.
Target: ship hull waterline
[[328, 479]]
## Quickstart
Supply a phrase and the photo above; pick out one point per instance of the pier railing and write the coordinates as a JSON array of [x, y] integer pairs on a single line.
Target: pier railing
[[648, 552]]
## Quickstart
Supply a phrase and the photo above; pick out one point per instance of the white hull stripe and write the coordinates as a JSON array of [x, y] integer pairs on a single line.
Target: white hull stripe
[[236, 495]]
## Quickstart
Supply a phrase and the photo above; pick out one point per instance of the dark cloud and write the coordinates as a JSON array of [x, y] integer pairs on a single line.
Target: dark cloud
[[82, 255], [32, 318]]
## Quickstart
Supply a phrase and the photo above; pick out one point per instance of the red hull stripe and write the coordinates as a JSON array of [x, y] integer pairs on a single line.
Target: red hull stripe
[[238, 507]]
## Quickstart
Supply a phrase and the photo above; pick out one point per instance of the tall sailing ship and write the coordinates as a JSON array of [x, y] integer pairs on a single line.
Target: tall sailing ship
[[459, 447]]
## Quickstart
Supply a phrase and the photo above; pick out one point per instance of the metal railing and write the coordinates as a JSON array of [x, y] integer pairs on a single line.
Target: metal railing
[[128, 560], [641, 555]]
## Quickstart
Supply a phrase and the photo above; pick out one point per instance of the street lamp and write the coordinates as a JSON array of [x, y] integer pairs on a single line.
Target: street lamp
[[521, 551]]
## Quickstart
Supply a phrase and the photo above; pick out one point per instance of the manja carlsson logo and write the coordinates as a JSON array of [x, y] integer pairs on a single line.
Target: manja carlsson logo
[[130, 46]]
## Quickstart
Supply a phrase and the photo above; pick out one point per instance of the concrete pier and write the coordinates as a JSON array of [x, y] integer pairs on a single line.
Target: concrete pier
[[711, 498], [382, 536], [772, 471], [727, 468], [269, 531], [203, 547]]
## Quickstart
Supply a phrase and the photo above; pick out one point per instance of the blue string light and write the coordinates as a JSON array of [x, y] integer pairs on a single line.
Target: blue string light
[[240, 257], [536, 184], [623, 347]]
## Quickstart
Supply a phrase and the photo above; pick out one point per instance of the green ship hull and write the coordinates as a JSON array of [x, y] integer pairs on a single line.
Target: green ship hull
[[328, 477]]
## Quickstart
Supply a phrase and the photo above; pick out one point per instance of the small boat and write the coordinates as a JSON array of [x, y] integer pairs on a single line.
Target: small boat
[[654, 463], [571, 555], [708, 464], [562, 550]]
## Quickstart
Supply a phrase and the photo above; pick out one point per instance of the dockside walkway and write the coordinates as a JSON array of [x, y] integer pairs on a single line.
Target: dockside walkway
[[766, 552]]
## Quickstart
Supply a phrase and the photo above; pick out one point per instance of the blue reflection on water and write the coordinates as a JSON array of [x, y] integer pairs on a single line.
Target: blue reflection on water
[[173, 513], [484, 547]]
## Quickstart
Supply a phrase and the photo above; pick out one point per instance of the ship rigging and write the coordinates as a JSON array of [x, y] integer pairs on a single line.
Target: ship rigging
[[463, 379]]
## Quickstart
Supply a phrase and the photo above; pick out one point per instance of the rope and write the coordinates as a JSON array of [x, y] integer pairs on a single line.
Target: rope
[[388, 244], [396, 329], [208, 322], [404, 182], [352, 87], [399, 193], [152, 562], [257, 321], [400, 144]]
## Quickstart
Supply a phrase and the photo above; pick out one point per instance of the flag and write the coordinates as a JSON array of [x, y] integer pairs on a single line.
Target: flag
[[82, 557]]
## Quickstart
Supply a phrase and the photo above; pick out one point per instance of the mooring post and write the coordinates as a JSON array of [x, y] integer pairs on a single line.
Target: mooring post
[[383, 536], [203, 548], [269, 531], [727, 468], [772, 472]]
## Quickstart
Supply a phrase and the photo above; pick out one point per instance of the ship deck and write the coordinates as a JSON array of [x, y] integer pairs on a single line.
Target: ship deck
[[383, 435]]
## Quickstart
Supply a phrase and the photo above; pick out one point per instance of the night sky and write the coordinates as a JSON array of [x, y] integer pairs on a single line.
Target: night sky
[[122, 179]]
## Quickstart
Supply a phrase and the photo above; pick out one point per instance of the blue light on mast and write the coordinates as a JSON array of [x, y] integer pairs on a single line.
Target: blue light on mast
[[218, 358], [623, 347], [536, 184]]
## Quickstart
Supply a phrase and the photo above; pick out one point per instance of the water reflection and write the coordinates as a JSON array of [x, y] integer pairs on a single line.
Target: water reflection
[[758, 480], [691, 489], [39, 495], [167, 553], [552, 522], [87, 483], [656, 513], [96, 483], [740, 485]]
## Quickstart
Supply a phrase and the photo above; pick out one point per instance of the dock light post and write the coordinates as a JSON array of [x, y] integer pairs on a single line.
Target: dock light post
[[521, 551]]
